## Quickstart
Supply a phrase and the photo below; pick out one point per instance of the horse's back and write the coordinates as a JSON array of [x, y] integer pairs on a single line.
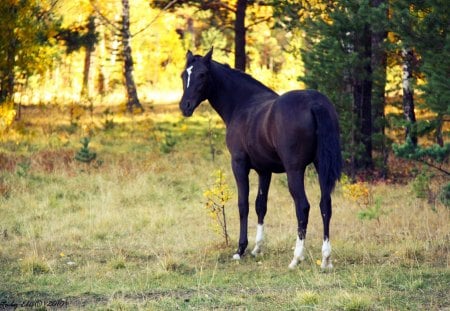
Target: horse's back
[[293, 111], [277, 134], [301, 100], [295, 126]]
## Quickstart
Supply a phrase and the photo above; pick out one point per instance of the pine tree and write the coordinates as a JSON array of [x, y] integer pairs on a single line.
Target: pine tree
[[434, 156], [437, 89], [85, 155], [338, 62], [422, 30], [435, 48]]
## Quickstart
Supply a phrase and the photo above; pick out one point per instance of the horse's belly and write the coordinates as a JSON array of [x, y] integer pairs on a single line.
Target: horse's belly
[[261, 151], [266, 161]]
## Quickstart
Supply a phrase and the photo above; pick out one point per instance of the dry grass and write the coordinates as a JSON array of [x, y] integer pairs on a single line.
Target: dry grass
[[132, 231]]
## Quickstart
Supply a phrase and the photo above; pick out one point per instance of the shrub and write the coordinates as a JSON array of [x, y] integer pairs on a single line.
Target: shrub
[[421, 185], [216, 198], [444, 196]]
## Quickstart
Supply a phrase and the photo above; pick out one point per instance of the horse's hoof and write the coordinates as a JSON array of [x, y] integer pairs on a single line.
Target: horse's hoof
[[237, 257], [256, 252], [326, 265], [293, 264]]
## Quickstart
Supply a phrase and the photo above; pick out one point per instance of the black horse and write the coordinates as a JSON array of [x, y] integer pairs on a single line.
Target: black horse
[[270, 134]]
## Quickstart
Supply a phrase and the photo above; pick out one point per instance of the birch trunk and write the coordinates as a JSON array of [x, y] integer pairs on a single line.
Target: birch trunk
[[132, 97], [408, 94]]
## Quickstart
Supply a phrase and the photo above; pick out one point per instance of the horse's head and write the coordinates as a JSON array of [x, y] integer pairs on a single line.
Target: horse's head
[[196, 81]]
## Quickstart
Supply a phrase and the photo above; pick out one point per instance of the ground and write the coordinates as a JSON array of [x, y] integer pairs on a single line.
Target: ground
[[130, 230]]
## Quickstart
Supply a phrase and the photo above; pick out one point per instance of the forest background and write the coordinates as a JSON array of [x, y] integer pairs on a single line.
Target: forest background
[[384, 64]]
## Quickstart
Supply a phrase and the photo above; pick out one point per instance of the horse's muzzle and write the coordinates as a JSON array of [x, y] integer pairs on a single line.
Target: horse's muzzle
[[187, 108]]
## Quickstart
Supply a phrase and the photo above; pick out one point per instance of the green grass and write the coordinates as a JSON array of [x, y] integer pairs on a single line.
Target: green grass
[[132, 232]]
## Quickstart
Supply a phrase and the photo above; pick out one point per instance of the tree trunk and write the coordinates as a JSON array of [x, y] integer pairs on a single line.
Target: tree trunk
[[362, 96], [89, 48], [86, 70], [439, 135], [132, 97], [379, 64], [8, 76], [408, 94], [102, 82], [239, 36]]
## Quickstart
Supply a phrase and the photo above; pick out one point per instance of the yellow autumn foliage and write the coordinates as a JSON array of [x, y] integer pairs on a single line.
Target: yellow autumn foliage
[[358, 192], [7, 115], [216, 198]]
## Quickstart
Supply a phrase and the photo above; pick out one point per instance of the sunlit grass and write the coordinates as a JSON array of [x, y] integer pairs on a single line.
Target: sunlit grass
[[133, 232]]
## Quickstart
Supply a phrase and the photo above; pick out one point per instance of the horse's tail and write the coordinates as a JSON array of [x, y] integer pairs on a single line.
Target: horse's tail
[[329, 156]]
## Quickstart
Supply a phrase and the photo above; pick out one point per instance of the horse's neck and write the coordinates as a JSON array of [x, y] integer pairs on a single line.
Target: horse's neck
[[228, 94]]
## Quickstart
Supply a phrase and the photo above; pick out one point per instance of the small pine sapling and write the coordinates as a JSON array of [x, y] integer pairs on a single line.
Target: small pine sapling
[[85, 155], [373, 212]]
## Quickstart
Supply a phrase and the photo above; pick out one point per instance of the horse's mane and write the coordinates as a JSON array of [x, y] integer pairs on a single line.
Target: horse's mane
[[242, 75]]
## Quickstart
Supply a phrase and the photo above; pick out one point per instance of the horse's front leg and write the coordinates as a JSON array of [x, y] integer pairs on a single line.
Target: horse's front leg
[[241, 170], [261, 209]]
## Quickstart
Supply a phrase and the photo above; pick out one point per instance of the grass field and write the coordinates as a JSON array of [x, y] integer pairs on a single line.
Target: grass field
[[130, 230]]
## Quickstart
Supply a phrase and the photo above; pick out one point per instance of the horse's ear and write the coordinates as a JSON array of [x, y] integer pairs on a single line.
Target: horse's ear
[[207, 58], [189, 55]]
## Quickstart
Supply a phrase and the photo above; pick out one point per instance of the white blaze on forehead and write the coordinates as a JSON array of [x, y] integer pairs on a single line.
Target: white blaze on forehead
[[189, 71]]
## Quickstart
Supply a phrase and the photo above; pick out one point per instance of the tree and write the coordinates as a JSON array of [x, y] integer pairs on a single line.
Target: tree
[[403, 25], [76, 37], [434, 46], [422, 29], [434, 156], [226, 14], [408, 93], [240, 58], [379, 66], [436, 69], [89, 46], [28, 30], [123, 31], [339, 61], [133, 100]]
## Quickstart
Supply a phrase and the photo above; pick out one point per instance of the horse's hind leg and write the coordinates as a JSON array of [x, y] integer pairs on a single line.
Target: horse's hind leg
[[297, 190], [325, 210], [261, 209]]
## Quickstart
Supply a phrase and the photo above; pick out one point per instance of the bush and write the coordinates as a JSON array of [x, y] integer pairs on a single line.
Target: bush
[[216, 198], [421, 186], [444, 196]]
